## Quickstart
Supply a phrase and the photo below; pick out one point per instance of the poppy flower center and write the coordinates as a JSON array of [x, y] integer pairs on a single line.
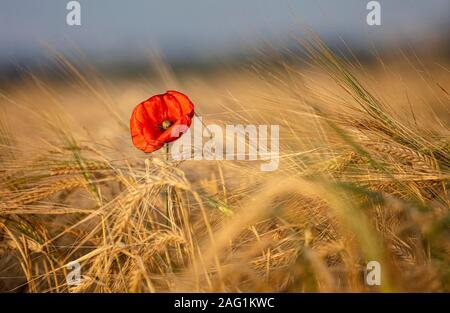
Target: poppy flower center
[[166, 124]]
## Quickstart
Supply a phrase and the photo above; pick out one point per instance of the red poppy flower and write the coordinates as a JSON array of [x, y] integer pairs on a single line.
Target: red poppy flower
[[160, 119]]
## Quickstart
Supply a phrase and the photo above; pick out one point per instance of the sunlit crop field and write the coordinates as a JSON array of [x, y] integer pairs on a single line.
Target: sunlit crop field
[[363, 176]]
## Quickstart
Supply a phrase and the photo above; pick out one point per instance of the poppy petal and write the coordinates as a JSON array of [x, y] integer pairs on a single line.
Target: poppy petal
[[156, 109], [187, 107], [174, 111]]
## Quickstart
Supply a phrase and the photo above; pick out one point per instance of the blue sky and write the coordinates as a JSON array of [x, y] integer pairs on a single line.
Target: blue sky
[[129, 29]]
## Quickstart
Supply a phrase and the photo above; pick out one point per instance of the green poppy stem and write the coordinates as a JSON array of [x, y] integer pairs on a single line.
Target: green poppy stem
[[168, 187]]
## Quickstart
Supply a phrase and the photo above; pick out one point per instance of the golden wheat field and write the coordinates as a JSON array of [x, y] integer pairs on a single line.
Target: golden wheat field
[[363, 175]]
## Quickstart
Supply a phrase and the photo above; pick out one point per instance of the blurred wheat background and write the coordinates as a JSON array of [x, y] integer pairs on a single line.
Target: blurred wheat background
[[364, 175]]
